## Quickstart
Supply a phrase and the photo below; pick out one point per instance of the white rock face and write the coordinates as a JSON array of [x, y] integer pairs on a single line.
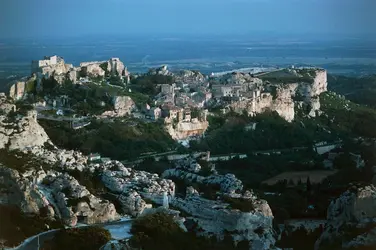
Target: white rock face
[[187, 170], [351, 219], [183, 130], [52, 66], [123, 105], [189, 77], [160, 71], [20, 191], [132, 203], [133, 185], [283, 100], [23, 132], [215, 218], [116, 67], [92, 70]]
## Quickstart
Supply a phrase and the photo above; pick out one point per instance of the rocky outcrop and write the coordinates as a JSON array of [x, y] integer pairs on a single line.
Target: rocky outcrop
[[351, 220], [53, 66], [160, 71], [258, 96], [131, 185], [183, 130], [76, 203], [6, 106], [36, 189], [18, 189], [92, 69], [251, 221], [116, 67], [17, 90], [123, 105], [216, 218], [189, 77], [113, 67], [21, 131], [188, 170]]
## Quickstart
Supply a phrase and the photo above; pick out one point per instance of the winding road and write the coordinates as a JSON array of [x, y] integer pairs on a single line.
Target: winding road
[[118, 229]]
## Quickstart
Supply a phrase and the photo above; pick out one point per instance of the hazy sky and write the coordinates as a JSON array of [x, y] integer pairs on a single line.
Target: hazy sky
[[33, 18]]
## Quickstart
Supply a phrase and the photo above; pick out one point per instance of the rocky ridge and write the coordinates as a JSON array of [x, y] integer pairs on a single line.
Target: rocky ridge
[[217, 217], [42, 183]]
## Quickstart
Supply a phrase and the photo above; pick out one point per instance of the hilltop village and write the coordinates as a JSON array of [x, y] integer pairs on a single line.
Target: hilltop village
[[181, 99], [271, 160]]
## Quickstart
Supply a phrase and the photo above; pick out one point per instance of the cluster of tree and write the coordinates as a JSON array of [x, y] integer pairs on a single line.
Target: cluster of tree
[[160, 231], [152, 166], [299, 239], [16, 226], [115, 140], [21, 161], [79, 238], [241, 204], [148, 84], [272, 132], [354, 120], [49, 85], [116, 80], [92, 181]]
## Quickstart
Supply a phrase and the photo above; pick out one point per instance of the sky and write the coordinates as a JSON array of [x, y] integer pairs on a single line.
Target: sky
[[64, 18]]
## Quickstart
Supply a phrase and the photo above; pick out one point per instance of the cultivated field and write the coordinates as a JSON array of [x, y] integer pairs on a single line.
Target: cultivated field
[[316, 176]]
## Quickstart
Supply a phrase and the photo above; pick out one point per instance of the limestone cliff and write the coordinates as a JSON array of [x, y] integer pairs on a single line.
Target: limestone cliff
[[113, 67], [182, 130], [123, 105], [21, 131], [351, 220], [215, 218], [258, 95], [218, 217], [54, 66]]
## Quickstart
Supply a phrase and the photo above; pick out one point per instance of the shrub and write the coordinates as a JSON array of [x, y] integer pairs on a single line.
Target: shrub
[[243, 205], [160, 231], [79, 238], [16, 226]]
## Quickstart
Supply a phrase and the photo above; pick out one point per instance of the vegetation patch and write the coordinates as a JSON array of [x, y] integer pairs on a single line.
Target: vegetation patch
[[16, 226], [241, 204], [79, 238], [115, 140], [160, 231]]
